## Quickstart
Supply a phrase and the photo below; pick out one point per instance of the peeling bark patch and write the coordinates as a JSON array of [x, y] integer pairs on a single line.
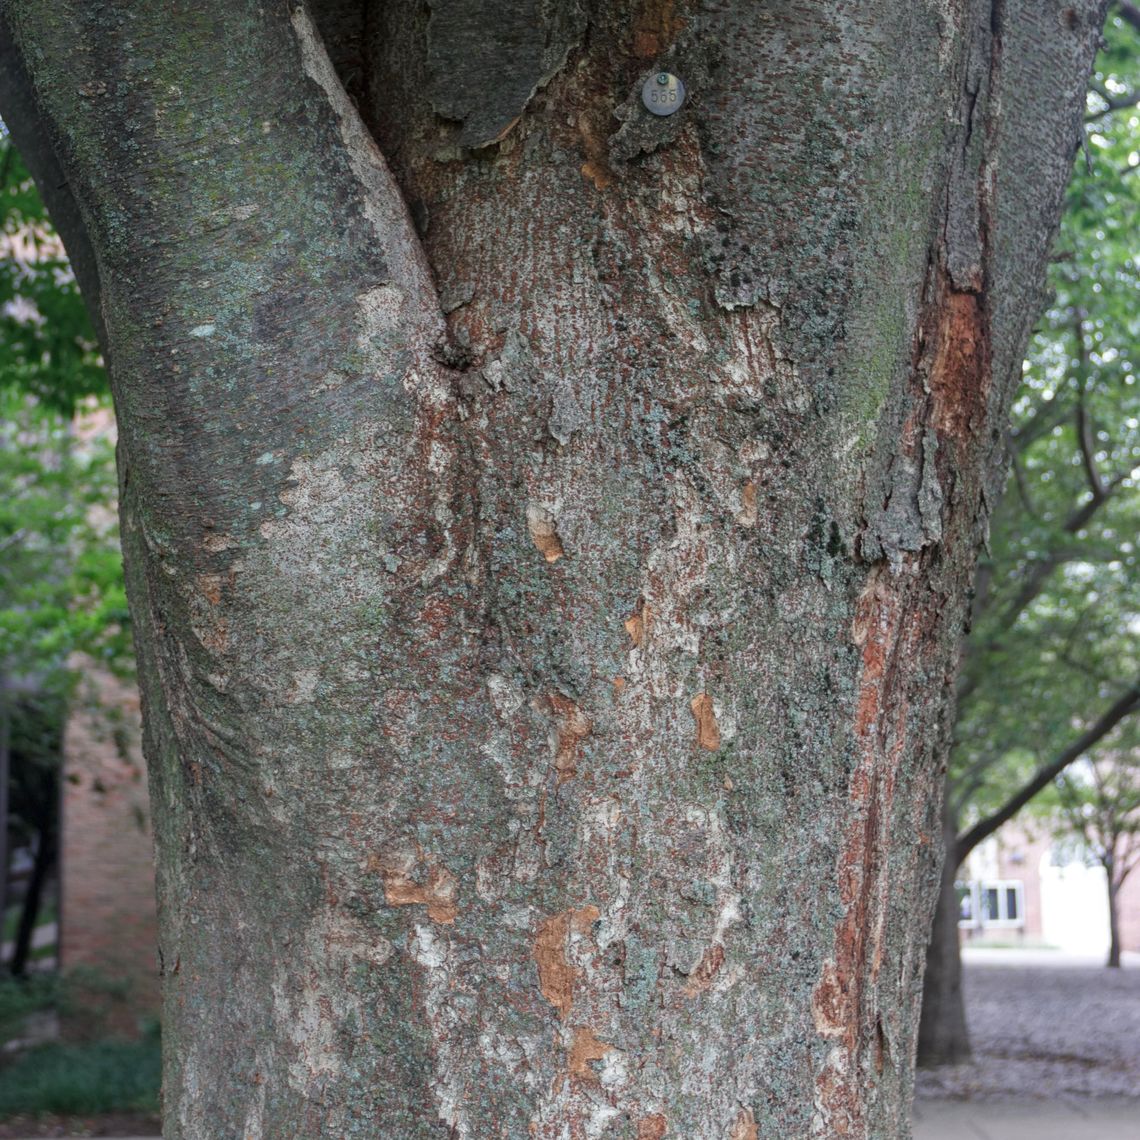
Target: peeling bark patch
[[586, 1047], [210, 628], [486, 60], [652, 1127], [960, 370], [210, 587], [556, 974], [843, 1000], [216, 543], [655, 28], [702, 977], [828, 1002], [437, 889], [598, 173], [595, 144], [838, 1099], [637, 624], [748, 513], [543, 532], [572, 728], [873, 631], [744, 1127], [708, 732]]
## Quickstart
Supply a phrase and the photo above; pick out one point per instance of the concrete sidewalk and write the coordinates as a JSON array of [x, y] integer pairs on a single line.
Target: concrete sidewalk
[[1039, 1120], [1048, 1120]]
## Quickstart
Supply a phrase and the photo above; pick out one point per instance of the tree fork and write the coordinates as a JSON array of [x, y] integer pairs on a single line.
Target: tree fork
[[547, 543]]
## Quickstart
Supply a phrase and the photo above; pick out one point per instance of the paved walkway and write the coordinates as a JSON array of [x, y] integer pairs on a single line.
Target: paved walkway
[[951, 1120], [1037, 1120], [1050, 1120]]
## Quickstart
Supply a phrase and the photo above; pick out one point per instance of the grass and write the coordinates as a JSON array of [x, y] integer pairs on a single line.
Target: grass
[[106, 1076], [22, 996], [73, 1079], [12, 918]]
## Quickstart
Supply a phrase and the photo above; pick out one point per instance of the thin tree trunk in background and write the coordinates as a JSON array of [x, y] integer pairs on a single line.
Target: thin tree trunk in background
[[42, 866], [1113, 919], [948, 957], [943, 1037], [5, 775], [548, 542]]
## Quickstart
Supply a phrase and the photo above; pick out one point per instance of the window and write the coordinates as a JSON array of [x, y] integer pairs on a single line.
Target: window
[[1013, 904], [991, 903], [966, 907], [1002, 903], [991, 912]]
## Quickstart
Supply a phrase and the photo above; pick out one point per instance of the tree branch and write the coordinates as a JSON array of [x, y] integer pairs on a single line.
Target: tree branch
[[1037, 576], [1043, 420], [319, 296], [1022, 489], [983, 829], [32, 137], [1083, 423]]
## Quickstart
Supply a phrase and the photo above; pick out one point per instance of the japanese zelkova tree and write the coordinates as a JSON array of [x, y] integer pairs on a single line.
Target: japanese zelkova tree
[[1051, 671], [548, 528]]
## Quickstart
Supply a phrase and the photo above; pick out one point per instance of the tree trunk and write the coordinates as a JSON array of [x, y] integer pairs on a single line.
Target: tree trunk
[[41, 870], [949, 1041], [547, 609], [942, 1035], [1113, 919], [5, 777]]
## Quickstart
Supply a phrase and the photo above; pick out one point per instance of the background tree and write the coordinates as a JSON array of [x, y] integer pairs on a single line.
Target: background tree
[[547, 543], [1099, 804], [1051, 667], [35, 731], [61, 588]]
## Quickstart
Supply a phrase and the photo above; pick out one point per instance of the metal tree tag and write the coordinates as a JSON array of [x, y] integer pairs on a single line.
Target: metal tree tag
[[663, 93]]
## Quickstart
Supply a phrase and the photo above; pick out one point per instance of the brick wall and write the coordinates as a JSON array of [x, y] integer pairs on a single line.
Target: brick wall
[[108, 932], [1129, 904]]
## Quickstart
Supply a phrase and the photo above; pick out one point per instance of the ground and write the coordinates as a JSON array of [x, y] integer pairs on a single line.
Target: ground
[[106, 1124], [1045, 1027]]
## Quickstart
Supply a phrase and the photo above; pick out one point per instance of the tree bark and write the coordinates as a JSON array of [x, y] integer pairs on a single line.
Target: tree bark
[[548, 546], [943, 1037]]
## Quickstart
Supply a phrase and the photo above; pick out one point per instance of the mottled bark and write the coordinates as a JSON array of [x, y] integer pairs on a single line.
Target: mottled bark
[[548, 594]]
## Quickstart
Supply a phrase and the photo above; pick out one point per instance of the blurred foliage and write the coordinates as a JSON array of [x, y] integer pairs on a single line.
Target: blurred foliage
[[105, 1076], [97, 1073], [61, 579], [1096, 806], [21, 997], [61, 586], [1057, 613], [1098, 803], [47, 345]]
